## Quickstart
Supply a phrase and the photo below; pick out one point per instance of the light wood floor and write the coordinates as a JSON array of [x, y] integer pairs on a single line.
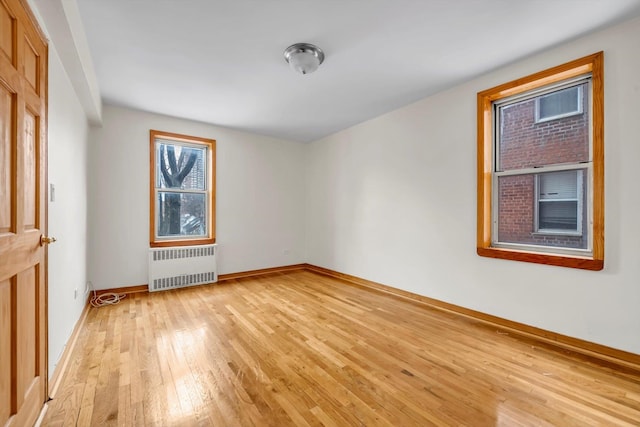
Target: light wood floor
[[299, 348]]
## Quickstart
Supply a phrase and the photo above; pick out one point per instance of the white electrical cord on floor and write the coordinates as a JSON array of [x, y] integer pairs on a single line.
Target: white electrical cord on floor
[[108, 298]]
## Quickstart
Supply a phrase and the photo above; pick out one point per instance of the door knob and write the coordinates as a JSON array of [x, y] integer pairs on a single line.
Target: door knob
[[45, 240]]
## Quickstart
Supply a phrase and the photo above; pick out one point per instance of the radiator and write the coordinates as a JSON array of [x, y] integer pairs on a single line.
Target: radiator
[[182, 266]]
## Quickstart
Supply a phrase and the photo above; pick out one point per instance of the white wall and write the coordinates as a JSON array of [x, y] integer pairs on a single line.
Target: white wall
[[393, 200], [260, 219], [68, 130]]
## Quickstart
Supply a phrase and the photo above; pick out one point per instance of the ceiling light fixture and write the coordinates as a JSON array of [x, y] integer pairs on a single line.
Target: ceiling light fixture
[[305, 58]]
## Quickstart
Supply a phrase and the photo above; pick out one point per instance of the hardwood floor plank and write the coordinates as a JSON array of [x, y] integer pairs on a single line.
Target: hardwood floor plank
[[297, 348]]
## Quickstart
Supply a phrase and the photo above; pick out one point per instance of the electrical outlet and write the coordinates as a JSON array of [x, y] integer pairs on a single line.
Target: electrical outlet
[[75, 293]]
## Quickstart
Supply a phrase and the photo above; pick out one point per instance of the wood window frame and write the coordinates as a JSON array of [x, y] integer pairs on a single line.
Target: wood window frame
[[593, 64], [154, 242]]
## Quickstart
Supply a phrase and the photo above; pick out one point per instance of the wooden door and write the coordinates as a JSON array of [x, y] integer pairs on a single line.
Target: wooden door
[[23, 340]]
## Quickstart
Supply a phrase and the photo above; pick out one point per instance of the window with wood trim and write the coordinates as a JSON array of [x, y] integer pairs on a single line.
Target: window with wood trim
[[182, 190], [541, 167]]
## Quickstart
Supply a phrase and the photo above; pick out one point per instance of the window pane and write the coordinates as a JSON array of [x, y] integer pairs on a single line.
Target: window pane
[[561, 102], [180, 166], [559, 185], [515, 208], [181, 214], [516, 215], [555, 215], [526, 143]]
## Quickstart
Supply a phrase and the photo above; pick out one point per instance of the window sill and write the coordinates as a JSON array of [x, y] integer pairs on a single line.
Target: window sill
[[558, 117], [181, 242], [571, 261], [556, 233]]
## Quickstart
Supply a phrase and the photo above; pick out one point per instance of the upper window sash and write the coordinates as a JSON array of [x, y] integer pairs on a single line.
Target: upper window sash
[[535, 95], [182, 144]]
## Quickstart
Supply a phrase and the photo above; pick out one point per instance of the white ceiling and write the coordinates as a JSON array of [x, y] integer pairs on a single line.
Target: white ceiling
[[220, 61]]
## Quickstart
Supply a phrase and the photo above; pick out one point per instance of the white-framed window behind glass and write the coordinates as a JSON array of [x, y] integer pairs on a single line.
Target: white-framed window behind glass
[[558, 104], [559, 202], [182, 190]]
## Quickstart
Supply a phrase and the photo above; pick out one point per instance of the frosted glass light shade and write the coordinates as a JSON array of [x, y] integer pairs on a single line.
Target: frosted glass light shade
[[304, 58]]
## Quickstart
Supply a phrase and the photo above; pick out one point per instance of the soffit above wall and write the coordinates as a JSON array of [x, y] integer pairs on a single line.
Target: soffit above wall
[[66, 31]]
